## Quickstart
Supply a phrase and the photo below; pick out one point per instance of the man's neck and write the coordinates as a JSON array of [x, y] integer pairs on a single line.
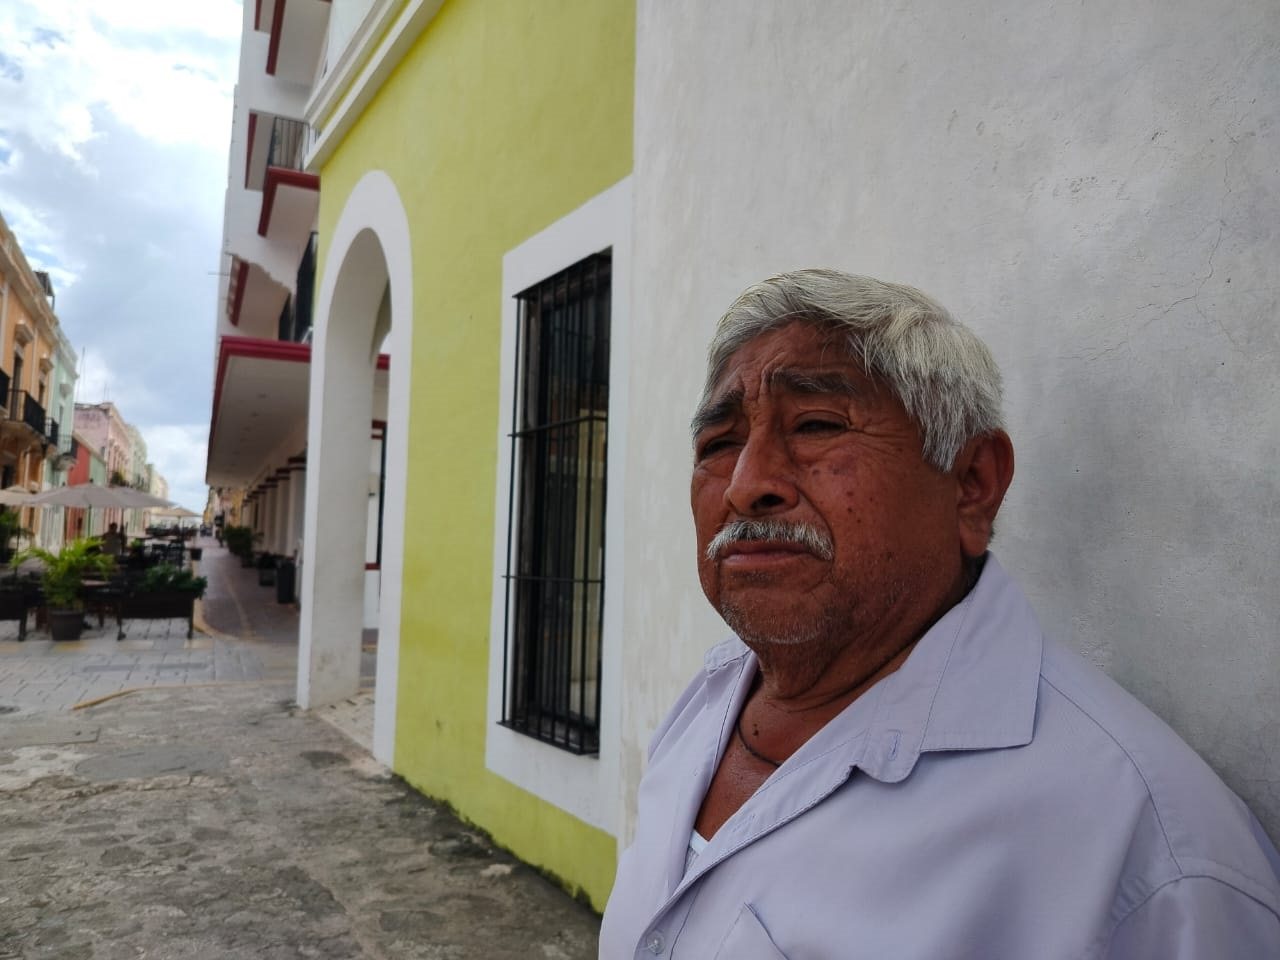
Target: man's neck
[[833, 669]]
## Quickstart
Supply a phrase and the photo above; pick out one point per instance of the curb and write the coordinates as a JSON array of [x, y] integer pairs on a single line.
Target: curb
[[86, 704]]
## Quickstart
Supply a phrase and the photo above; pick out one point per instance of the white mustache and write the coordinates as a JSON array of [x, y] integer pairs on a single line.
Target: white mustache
[[774, 531]]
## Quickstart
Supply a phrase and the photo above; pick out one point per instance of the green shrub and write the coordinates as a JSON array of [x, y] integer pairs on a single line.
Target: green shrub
[[165, 576], [239, 540], [65, 571]]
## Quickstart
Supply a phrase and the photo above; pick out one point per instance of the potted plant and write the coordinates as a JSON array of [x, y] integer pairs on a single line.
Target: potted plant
[[164, 592], [62, 581], [240, 542]]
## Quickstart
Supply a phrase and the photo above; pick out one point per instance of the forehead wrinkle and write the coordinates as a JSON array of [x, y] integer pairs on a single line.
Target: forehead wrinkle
[[814, 383]]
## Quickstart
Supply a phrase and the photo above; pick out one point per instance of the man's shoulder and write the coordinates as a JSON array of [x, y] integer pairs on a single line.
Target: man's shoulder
[[712, 680], [1104, 710], [1188, 822]]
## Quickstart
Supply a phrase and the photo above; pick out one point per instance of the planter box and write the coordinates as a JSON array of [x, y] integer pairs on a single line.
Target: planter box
[[266, 564], [157, 605]]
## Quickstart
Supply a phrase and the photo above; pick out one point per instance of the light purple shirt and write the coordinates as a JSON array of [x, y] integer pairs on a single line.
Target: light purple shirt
[[997, 798]]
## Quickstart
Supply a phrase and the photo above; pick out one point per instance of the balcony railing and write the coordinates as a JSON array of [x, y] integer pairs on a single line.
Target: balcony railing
[[26, 410], [288, 143]]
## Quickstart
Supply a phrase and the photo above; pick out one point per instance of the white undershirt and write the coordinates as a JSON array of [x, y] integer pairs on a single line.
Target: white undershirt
[[697, 843]]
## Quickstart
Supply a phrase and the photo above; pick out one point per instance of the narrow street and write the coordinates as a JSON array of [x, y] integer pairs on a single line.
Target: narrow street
[[164, 798]]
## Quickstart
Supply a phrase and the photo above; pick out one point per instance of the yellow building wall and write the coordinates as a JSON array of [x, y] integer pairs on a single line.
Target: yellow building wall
[[27, 455], [503, 117]]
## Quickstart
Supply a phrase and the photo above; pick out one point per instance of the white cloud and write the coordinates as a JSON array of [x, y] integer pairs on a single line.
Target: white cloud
[[114, 127], [158, 67], [178, 451], [39, 240]]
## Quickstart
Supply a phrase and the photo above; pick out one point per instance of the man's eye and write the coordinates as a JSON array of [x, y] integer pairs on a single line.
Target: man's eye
[[713, 446], [819, 426]]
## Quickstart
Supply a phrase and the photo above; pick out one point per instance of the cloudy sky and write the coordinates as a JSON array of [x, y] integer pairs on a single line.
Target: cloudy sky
[[114, 127]]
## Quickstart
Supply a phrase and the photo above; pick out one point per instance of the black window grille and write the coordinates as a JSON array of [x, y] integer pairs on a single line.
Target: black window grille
[[284, 325], [295, 315], [306, 292], [555, 540]]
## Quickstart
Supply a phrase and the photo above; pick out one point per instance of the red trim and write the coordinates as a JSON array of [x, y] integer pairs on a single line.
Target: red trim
[[242, 281], [277, 28], [254, 349], [248, 158], [372, 566], [378, 424], [384, 361], [257, 14], [275, 177]]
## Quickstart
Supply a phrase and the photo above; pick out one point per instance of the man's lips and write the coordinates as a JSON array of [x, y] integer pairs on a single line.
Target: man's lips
[[756, 552]]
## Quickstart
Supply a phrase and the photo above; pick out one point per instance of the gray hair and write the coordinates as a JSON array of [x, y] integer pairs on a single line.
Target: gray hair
[[940, 371]]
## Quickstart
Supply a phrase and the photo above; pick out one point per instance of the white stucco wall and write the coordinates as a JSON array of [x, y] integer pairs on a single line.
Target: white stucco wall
[[1094, 188]]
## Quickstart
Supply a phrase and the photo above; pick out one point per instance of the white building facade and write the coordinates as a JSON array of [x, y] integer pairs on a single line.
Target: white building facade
[[1095, 191]]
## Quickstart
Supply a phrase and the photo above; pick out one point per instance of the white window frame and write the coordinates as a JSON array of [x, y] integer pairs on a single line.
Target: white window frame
[[585, 786]]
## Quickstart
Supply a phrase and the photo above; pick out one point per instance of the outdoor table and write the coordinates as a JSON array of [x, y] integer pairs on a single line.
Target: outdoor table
[[100, 596]]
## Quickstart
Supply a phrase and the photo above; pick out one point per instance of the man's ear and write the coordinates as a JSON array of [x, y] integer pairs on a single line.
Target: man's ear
[[983, 471]]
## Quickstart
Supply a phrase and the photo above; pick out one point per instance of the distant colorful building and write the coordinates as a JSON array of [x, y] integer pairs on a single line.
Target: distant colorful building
[[37, 384]]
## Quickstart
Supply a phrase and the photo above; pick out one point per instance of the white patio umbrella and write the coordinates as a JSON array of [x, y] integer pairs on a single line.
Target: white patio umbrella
[[89, 496], [177, 514], [15, 496], [174, 513]]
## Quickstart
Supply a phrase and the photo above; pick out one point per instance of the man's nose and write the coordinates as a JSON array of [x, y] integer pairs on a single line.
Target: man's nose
[[763, 478]]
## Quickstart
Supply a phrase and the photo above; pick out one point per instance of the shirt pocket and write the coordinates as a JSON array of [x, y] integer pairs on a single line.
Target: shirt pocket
[[747, 939]]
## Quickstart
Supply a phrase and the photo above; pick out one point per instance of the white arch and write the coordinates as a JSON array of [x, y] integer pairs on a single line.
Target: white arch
[[369, 250]]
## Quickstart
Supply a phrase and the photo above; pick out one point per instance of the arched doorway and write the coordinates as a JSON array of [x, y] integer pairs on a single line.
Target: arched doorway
[[364, 301]]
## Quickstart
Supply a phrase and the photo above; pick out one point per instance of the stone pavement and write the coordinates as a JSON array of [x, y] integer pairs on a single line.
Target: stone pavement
[[245, 636], [176, 804]]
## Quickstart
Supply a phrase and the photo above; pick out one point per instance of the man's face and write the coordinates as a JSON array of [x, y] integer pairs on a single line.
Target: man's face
[[797, 432]]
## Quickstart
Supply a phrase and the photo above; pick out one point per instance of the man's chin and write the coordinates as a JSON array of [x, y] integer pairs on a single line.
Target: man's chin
[[771, 627]]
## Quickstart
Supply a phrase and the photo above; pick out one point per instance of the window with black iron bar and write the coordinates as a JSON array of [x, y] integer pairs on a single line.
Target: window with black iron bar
[[555, 540]]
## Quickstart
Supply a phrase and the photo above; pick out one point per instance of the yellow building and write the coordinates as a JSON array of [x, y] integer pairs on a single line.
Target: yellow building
[[37, 384], [473, 162]]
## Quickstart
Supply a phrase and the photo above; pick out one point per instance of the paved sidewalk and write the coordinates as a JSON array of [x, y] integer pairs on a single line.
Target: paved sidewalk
[[163, 798], [224, 823], [251, 638]]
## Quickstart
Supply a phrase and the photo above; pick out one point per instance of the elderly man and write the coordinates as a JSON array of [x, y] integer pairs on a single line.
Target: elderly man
[[891, 760]]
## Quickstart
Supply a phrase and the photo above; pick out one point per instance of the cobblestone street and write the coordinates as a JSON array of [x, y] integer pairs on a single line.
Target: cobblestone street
[[163, 798]]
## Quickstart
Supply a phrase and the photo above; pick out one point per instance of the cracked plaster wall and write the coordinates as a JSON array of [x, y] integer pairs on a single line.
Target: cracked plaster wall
[[1094, 188]]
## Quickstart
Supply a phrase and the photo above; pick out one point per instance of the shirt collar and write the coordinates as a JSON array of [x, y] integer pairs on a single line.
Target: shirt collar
[[969, 684]]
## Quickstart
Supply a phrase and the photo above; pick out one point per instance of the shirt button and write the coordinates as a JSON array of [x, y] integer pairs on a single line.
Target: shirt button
[[656, 943]]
